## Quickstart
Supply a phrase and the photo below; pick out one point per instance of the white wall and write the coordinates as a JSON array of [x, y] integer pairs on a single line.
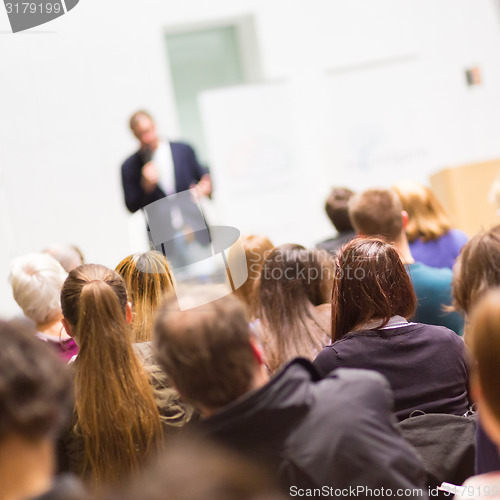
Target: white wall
[[68, 87]]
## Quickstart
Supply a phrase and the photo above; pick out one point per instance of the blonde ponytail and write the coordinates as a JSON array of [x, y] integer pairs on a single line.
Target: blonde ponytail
[[116, 413]]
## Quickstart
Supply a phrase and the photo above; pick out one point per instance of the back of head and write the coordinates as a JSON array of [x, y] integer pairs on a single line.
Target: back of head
[[138, 115], [206, 350], [256, 248], [477, 269], [147, 277], [35, 388], [293, 280], [320, 268], [483, 338], [283, 281], [116, 413], [99, 288], [370, 282], [427, 217], [67, 255], [36, 281], [337, 208], [196, 469], [377, 212]]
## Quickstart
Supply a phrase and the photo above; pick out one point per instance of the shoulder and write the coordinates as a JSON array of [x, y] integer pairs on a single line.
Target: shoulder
[[458, 236], [435, 331], [132, 162], [436, 335], [352, 389], [430, 274], [368, 378], [144, 351], [180, 146]]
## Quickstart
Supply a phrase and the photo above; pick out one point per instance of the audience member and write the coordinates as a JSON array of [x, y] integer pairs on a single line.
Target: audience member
[[256, 249], [69, 256], [429, 230], [116, 426], [196, 469], [337, 209], [378, 212], [147, 277], [476, 271], [484, 341], [36, 281], [35, 395], [291, 304], [333, 432], [372, 301]]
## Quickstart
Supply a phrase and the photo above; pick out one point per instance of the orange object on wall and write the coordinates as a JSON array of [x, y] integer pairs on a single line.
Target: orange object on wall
[[465, 193]]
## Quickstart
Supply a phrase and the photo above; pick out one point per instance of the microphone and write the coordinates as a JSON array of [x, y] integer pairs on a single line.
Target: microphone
[[146, 156]]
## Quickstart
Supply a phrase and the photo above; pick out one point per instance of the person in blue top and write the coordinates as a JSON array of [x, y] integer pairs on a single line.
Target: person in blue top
[[379, 212], [432, 239]]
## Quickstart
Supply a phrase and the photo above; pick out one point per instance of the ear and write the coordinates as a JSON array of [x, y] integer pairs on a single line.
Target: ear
[[128, 313], [405, 217], [257, 353], [67, 326]]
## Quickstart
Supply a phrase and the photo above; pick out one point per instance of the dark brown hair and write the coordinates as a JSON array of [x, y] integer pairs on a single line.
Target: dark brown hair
[[377, 212], [115, 409], [477, 269], [336, 207], [206, 349], [370, 282], [147, 277], [293, 281], [35, 386]]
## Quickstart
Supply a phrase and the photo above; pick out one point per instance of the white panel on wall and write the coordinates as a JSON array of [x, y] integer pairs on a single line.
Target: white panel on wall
[[378, 124], [253, 146]]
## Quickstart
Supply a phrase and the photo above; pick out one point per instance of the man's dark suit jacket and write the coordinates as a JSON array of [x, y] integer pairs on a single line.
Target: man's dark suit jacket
[[186, 167], [187, 171]]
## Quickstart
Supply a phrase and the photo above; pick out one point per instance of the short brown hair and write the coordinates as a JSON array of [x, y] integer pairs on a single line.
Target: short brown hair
[[377, 212], [428, 219], [477, 269], [484, 340], [370, 282], [137, 116], [336, 207], [35, 388], [206, 350]]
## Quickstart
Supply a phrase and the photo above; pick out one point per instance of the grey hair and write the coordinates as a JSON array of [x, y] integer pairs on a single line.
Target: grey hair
[[36, 281], [67, 256]]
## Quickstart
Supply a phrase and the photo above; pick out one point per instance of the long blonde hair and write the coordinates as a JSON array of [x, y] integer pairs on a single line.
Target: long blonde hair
[[428, 219], [115, 410], [147, 277]]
